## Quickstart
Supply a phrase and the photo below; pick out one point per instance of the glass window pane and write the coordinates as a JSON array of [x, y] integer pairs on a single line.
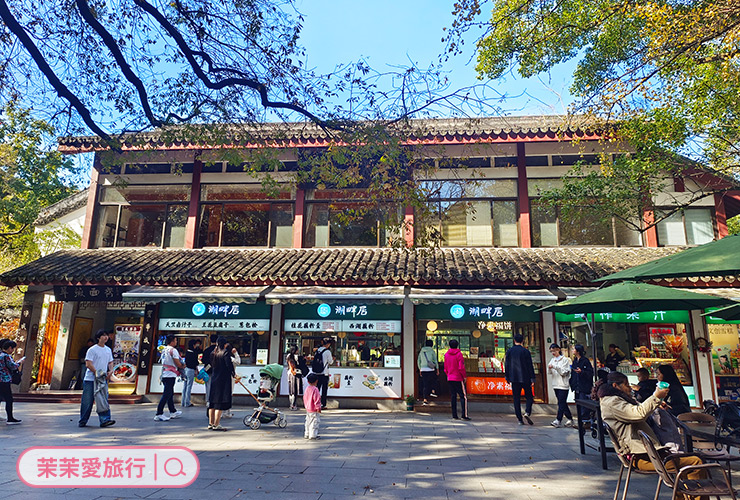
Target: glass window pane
[[349, 225], [586, 231], [144, 193], [226, 192], [505, 229], [544, 225], [245, 225], [671, 232], [106, 231], [488, 188], [317, 229], [478, 219], [177, 219], [626, 236], [454, 232], [209, 233], [699, 226], [536, 186], [281, 225], [141, 226]]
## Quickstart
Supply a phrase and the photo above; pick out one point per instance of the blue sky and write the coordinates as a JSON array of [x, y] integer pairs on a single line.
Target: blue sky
[[389, 33]]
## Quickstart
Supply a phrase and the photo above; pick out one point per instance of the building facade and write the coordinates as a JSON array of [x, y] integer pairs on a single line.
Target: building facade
[[178, 240]]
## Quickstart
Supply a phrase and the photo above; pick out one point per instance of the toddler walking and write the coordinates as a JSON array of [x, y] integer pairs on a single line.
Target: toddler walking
[[312, 403]]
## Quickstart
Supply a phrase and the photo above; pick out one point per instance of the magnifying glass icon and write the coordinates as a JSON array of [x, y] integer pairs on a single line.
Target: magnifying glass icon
[[181, 472]]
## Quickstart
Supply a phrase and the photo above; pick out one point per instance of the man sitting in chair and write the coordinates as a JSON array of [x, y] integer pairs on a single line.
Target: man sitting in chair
[[626, 417]]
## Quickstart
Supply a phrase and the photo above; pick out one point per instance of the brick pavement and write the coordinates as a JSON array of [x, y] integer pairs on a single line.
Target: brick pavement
[[376, 454]]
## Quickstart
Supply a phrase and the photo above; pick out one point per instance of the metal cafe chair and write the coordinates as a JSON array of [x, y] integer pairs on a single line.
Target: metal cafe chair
[[704, 448], [627, 461], [679, 481]]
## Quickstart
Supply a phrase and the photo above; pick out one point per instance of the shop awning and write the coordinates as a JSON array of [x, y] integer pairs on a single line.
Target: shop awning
[[572, 292], [317, 294], [243, 294], [518, 297], [725, 293]]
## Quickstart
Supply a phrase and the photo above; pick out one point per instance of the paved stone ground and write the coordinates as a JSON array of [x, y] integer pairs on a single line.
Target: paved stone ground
[[376, 454]]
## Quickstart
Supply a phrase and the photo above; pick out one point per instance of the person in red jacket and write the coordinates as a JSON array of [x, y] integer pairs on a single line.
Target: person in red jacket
[[456, 375]]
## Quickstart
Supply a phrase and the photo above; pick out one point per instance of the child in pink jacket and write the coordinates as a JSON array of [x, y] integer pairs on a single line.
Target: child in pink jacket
[[312, 403], [456, 375]]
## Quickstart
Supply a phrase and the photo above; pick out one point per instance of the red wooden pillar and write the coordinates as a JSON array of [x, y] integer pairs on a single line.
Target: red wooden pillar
[[300, 207], [651, 234], [408, 226], [525, 220], [91, 209], [720, 215], [191, 227]]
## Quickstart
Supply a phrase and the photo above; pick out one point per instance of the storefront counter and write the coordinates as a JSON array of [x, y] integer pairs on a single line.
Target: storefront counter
[[250, 377], [358, 382]]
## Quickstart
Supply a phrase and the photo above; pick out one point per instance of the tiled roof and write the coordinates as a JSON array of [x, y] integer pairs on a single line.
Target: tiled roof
[[62, 208], [341, 266], [309, 134]]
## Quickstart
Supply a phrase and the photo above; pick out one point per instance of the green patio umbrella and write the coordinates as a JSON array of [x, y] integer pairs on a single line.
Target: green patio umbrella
[[716, 258], [731, 313], [631, 297]]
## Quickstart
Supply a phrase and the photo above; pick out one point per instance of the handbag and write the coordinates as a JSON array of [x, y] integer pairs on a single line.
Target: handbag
[[15, 377], [430, 364], [203, 375]]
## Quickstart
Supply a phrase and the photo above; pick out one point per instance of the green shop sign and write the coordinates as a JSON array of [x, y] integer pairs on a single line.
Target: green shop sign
[[711, 320], [476, 312], [344, 310], [636, 317], [215, 310]]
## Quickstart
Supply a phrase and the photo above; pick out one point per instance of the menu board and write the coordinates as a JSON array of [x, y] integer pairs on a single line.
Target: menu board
[[125, 353]]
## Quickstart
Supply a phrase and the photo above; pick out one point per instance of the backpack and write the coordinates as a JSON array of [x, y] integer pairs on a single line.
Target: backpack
[[317, 365]]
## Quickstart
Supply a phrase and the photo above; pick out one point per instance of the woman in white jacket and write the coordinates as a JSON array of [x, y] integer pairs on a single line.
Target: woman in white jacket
[[559, 370]]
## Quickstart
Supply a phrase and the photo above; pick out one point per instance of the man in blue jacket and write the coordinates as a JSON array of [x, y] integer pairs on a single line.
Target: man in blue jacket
[[582, 378], [519, 372]]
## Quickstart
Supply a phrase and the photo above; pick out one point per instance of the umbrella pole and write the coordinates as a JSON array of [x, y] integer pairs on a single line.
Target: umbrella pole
[[593, 342]]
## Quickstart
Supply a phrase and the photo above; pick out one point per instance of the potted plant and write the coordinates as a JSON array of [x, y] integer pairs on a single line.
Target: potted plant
[[410, 401]]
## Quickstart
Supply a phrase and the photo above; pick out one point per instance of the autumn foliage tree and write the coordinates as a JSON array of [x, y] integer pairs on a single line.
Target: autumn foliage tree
[[660, 76]]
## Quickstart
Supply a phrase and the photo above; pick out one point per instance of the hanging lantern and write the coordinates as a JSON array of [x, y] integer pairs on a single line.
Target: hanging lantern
[[341, 335], [261, 333], [390, 334], [432, 326], [476, 334]]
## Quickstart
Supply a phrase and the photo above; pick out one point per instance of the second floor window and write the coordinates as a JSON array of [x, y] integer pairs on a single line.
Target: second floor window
[[693, 226], [346, 220], [244, 215], [142, 216]]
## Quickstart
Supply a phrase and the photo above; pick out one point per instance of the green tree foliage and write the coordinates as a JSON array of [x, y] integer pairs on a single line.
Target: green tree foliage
[[661, 76], [33, 175]]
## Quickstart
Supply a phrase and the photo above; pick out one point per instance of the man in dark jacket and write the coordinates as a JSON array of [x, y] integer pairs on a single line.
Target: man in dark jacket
[[582, 378], [519, 373]]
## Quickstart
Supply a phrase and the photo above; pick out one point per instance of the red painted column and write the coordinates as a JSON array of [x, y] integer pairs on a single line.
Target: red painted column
[[720, 215], [650, 234], [91, 209], [191, 228], [408, 226], [300, 207], [525, 220]]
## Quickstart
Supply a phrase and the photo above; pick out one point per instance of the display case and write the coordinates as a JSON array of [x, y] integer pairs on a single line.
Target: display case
[[651, 364]]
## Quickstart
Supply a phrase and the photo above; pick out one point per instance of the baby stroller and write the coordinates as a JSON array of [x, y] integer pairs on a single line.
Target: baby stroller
[[270, 376]]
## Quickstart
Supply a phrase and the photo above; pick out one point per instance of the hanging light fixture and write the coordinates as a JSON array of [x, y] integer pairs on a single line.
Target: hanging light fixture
[[476, 334], [432, 326]]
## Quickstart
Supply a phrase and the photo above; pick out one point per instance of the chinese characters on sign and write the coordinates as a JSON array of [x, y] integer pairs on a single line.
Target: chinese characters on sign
[[313, 325], [108, 467], [103, 293], [196, 324]]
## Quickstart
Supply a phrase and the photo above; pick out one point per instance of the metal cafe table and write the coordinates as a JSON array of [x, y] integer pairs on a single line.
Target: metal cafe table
[[600, 446]]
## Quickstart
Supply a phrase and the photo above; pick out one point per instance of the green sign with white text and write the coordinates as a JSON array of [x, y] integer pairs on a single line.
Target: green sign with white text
[[636, 317]]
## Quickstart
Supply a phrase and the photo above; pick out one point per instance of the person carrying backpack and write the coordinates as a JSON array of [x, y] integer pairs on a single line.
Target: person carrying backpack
[[320, 366], [428, 368]]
